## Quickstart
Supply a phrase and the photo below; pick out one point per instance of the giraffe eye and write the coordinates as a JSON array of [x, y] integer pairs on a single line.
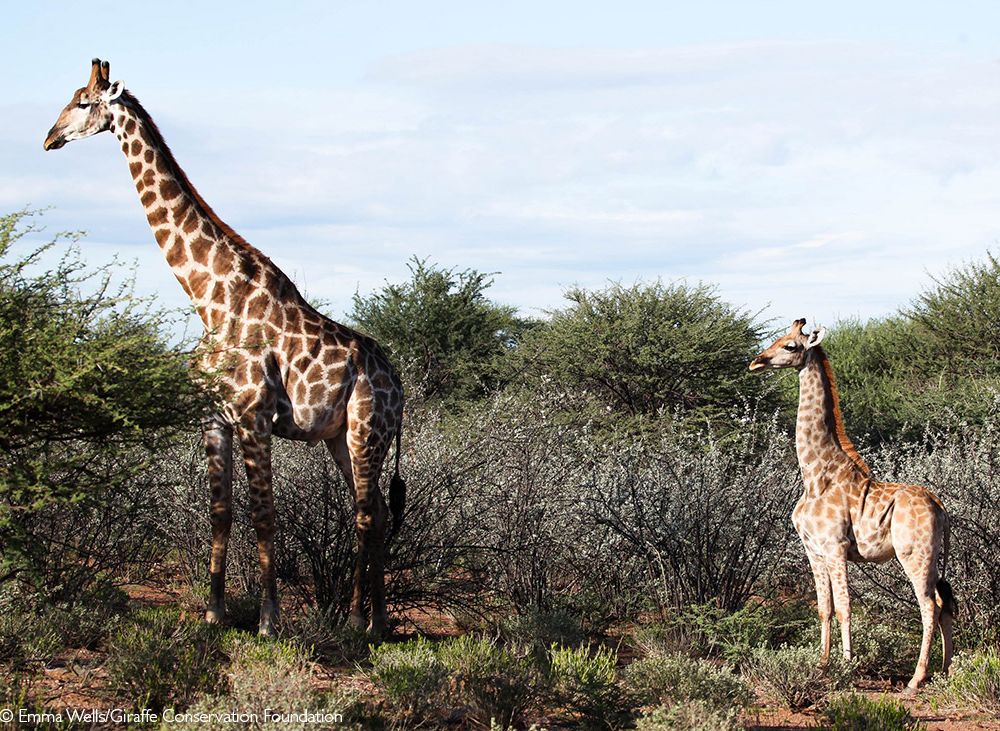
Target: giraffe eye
[[792, 346], [83, 104]]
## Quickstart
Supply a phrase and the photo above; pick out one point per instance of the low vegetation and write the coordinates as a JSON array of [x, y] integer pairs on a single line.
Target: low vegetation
[[793, 677], [974, 681], [852, 712], [674, 678], [598, 505]]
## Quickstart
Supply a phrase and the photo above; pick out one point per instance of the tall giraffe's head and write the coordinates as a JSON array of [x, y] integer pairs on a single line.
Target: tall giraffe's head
[[89, 111], [789, 351]]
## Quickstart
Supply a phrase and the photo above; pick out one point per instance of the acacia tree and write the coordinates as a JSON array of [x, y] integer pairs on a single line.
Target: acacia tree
[[441, 330], [648, 348], [89, 391]]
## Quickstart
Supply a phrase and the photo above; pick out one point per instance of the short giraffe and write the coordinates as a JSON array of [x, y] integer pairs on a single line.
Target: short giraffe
[[844, 514], [284, 369]]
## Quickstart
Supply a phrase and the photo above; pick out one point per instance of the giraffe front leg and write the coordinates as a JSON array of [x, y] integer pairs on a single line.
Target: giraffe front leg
[[369, 571], [837, 569], [257, 457], [824, 605], [218, 440], [342, 456]]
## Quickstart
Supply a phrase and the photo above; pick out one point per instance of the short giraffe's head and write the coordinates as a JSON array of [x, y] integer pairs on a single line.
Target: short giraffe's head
[[89, 111], [789, 351]]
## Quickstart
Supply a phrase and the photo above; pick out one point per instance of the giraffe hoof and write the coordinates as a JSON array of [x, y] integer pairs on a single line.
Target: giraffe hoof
[[268, 626], [910, 690], [214, 616], [356, 621]]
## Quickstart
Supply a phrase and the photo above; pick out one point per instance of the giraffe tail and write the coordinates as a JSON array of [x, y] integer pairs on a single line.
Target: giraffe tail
[[945, 595], [397, 490], [946, 598]]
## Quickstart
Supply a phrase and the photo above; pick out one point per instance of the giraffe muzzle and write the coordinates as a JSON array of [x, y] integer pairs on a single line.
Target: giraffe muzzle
[[757, 363], [53, 143]]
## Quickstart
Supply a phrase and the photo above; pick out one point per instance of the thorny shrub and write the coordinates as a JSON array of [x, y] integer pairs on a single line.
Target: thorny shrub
[[853, 712], [672, 678], [792, 676]]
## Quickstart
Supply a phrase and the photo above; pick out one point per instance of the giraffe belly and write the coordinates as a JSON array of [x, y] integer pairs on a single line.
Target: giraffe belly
[[309, 423], [874, 546], [826, 531]]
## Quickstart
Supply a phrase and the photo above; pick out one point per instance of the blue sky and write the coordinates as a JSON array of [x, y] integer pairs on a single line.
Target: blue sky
[[811, 161]]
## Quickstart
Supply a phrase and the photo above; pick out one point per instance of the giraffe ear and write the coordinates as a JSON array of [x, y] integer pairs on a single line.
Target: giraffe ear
[[816, 337], [114, 91]]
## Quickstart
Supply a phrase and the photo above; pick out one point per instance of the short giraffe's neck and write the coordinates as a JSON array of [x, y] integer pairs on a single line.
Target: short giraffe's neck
[[820, 437], [203, 252]]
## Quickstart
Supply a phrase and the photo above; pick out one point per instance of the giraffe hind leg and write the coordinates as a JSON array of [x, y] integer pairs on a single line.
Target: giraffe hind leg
[[342, 456], [920, 567], [370, 519], [360, 459]]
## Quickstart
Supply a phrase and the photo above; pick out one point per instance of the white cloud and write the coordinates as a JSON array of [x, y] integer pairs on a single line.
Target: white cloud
[[822, 178]]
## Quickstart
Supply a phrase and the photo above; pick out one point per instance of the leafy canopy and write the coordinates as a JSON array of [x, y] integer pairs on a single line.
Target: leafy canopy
[[88, 388], [440, 330], [646, 348]]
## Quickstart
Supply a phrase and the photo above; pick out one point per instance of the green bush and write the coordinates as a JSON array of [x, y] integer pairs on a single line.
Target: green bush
[[492, 680], [334, 641], [706, 630], [90, 394], [412, 678], [901, 373], [583, 683], [649, 348], [974, 681], [441, 331], [26, 640], [17, 693], [33, 632], [274, 681], [881, 648], [670, 679], [792, 677], [539, 629], [853, 712], [689, 716], [157, 658], [966, 294]]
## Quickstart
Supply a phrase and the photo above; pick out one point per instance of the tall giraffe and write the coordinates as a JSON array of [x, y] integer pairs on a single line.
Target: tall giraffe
[[283, 368], [844, 514]]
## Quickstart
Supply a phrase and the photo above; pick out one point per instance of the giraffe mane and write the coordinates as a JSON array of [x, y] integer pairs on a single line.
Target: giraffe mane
[[156, 137], [838, 420]]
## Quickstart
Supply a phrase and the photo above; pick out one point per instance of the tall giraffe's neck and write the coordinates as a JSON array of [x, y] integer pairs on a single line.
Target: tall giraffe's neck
[[819, 427], [203, 252]]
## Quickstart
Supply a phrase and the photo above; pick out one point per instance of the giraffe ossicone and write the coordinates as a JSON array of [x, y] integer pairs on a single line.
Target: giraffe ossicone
[[844, 514], [282, 368]]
